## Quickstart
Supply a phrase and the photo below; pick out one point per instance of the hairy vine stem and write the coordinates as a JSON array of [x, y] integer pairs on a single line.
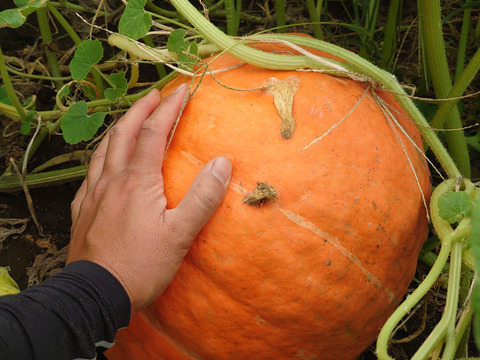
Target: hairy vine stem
[[354, 65], [451, 243]]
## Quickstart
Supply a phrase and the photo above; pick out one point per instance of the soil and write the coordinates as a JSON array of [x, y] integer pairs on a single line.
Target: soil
[[32, 254]]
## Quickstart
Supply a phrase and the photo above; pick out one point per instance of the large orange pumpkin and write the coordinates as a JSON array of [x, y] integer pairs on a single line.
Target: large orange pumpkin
[[314, 271]]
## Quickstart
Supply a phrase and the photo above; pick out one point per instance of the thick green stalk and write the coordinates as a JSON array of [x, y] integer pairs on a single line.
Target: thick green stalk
[[390, 32], [477, 31], [231, 17], [62, 21], [280, 15], [430, 22], [370, 22], [315, 18], [462, 44], [461, 84], [461, 343], [47, 43], [9, 87], [445, 328]]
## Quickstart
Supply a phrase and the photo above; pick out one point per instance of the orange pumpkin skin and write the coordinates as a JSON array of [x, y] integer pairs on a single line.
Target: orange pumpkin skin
[[312, 274]]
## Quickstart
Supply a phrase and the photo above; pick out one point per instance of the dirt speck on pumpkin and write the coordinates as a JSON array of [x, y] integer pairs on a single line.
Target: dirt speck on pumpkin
[[260, 195]]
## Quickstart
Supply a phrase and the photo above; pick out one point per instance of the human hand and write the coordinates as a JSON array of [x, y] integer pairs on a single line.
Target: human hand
[[119, 215]]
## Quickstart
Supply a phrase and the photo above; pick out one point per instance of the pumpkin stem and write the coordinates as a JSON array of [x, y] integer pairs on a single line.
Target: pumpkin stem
[[283, 92]]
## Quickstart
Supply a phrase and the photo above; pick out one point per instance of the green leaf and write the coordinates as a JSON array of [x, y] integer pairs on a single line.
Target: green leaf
[[15, 18], [7, 284], [88, 53], [176, 43], [4, 96], [78, 126], [63, 91], [119, 86], [135, 21], [453, 206], [26, 127], [475, 246], [12, 18], [29, 6]]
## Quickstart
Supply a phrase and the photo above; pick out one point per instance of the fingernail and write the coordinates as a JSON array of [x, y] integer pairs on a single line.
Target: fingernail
[[222, 169], [179, 88]]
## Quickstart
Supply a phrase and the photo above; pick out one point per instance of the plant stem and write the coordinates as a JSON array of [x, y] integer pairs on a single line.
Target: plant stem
[[462, 44], [47, 43], [315, 18], [68, 5], [76, 39], [38, 77], [232, 18], [10, 90], [390, 31], [160, 68], [62, 21], [446, 326], [430, 22], [11, 183], [465, 285], [158, 10], [280, 16], [461, 84]]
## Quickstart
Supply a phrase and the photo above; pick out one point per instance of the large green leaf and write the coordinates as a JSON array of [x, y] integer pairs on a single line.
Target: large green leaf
[[78, 126], [135, 21], [88, 53]]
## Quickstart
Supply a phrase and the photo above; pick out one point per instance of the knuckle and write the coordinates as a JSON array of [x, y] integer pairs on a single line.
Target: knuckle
[[118, 130], [206, 197], [149, 127]]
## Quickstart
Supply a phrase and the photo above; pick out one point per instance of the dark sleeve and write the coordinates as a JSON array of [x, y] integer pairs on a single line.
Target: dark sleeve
[[67, 316]]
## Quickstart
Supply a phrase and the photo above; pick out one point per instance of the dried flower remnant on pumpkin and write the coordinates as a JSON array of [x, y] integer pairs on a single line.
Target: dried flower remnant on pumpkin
[[260, 195], [283, 93]]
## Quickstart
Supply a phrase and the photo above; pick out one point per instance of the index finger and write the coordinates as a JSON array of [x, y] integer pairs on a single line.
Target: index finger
[[152, 139]]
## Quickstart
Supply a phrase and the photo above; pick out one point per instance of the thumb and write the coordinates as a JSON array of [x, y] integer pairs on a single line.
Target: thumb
[[204, 197]]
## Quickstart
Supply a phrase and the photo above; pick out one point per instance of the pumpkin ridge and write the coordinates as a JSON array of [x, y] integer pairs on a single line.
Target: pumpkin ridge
[[301, 221]]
